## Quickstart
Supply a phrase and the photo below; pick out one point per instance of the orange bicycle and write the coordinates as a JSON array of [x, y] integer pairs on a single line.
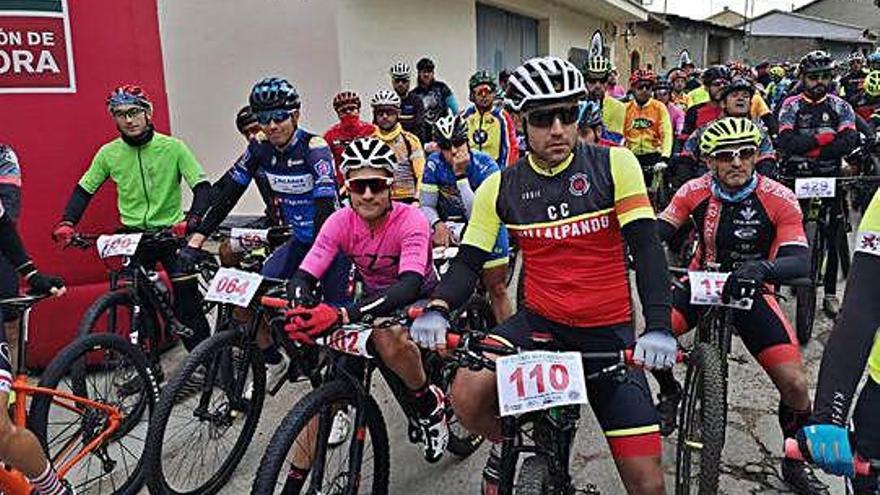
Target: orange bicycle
[[90, 411]]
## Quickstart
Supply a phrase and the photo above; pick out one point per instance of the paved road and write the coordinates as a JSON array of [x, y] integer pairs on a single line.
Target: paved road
[[751, 455]]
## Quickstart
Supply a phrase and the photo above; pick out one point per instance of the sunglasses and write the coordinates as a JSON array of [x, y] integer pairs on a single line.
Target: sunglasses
[[595, 81], [376, 185], [131, 113], [818, 76], [744, 153], [455, 142], [719, 83], [643, 87], [277, 116], [483, 92], [385, 112], [545, 118]]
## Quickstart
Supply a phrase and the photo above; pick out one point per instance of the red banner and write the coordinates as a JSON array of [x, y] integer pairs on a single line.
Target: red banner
[[35, 53]]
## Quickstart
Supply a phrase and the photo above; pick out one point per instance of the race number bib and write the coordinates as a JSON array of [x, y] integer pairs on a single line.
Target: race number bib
[[815, 187], [706, 288], [231, 286], [118, 244], [535, 380], [350, 339], [247, 239]]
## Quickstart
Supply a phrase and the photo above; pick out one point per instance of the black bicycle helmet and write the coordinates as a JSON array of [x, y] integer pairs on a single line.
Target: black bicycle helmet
[[274, 93], [816, 61], [244, 118], [738, 84], [715, 73], [450, 128]]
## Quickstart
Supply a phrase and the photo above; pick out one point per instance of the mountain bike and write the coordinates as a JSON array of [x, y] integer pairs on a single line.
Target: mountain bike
[[138, 305], [363, 465], [89, 423]]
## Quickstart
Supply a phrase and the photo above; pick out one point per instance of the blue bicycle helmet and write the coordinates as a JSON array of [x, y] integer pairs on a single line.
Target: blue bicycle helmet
[[274, 93]]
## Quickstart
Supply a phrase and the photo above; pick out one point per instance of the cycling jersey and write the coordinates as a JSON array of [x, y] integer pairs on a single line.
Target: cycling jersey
[[401, 243], [698, 96], [341, 134], [681, 100], [647, 128], [297, 175], [867, 107], [731, 233], [437, 100], [412, 116], [617, 92], [10, 171], [410, 162], [698, 116], [676, 118], [613, 118], [147, 179], [567, 223], [493, 133]]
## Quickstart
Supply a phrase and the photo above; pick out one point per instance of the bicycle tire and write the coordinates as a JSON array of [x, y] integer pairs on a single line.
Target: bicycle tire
[[705, 384], [806, 298], [123, 297], [327, 397], [533, 476], [462, 443], [220, 349], [72, 360]]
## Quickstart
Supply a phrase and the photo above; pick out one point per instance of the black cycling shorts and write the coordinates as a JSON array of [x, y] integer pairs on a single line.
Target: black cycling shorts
[[622, 405], [764, 329]]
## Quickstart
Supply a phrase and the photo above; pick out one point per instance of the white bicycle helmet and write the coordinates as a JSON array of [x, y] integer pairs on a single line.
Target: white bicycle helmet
[[368, 153], [450, 127], [385, 98], [543, 80], [400, 70]]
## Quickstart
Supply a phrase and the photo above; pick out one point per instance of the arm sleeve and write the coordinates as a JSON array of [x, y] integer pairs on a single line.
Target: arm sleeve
[[429, 194], [227, 192], [201, 199], [666, 132], [850, 343], [324, 207], [190, 169], [10, 242], [402, 293], [97, 173], [665, 230], [791, 262], [652, 273], [844, 142], [458, 283], [76, 205], [467, 195], [794, 144]]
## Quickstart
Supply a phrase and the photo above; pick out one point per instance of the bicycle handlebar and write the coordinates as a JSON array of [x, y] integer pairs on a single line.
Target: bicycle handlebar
[[862, 466]]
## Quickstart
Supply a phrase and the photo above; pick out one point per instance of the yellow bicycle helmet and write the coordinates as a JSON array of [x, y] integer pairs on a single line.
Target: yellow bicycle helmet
[[872, 83], [729, 131], [777, 71]]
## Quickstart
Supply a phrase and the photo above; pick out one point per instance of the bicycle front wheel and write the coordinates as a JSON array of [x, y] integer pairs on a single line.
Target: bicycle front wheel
[[358, 465], [805, 314], [702, 419], [206, 416], [109, 370]]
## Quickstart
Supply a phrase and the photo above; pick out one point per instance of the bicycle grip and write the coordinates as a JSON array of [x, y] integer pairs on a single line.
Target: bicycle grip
[[680, 356], [275, 302], [793, 451]]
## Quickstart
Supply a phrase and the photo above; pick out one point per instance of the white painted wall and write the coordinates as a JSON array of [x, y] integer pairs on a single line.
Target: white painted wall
[[215, 50]]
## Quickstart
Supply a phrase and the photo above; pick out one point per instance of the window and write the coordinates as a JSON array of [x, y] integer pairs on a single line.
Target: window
[[504, 39]]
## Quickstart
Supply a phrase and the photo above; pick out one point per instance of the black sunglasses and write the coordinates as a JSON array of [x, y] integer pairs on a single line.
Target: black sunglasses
[[818, 76], [277, 116], [545, 117], [452, 143], [377, 185]]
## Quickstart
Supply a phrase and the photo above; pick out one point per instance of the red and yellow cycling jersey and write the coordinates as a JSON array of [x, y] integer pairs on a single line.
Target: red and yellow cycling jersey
[[567, 223], [410, 162], [647, 128], [493, 133]]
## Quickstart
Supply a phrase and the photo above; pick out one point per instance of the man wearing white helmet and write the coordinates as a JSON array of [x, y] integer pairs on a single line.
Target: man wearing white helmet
[[572, 207], [389, 244], [412, 110], [406, 146]]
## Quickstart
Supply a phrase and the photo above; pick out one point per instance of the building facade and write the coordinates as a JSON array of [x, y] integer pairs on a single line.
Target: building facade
[[780, 36], [707, 43]]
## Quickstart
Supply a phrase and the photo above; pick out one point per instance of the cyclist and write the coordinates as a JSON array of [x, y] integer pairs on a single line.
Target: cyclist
[[490, 128], [571, 206], [389, 244], [147, 167], [613, 111], [410, 165], [678, 79], [778, 87], [853, 344], [436, 95], [867, 104], [614, 89], [751, 226], [451, 177], [347, 105], [816, 131], [10, 196], [663, 94], [18, 446], [590, 124], [647, 128], [298, 167], [735, 102], [873, 60], [851, 82], [412, 110], [246, 123], [714, 79]]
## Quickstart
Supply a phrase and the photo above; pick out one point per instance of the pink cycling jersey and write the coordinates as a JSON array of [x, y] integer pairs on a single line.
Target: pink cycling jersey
[[402, 243]]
